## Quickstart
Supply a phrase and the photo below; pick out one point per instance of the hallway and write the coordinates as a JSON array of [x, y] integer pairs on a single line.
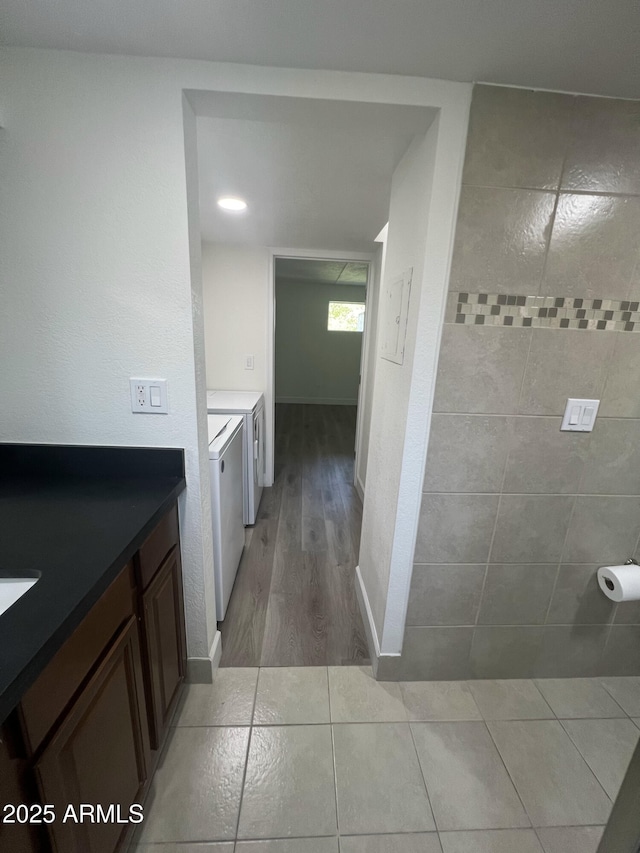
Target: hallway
[[294, 601]]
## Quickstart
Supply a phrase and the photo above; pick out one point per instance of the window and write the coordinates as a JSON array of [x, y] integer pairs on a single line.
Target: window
[[346, 317]]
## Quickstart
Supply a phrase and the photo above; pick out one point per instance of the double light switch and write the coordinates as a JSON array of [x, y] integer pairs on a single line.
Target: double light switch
[[580, 415]]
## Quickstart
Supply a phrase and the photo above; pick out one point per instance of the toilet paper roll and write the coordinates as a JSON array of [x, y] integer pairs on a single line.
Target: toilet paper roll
[[620, 583]]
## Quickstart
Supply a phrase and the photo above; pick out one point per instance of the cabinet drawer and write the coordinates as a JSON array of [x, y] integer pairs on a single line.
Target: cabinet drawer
[[154, 550], [45, 700]]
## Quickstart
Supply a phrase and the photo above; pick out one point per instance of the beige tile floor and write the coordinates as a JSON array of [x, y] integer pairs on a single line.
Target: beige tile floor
[[327, 760]]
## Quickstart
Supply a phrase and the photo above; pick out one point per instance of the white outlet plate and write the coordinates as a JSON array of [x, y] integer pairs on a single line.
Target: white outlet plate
[[248, 362], [579, 415], [149, 396]]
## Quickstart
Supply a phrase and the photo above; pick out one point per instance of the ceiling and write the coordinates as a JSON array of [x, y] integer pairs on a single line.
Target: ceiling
[[322, 271], [574, 45], [317, 177]]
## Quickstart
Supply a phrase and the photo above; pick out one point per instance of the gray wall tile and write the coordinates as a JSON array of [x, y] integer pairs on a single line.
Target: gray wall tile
[[627, 613], [531, 528], [542, 459], [603, 530], [568, 503], [621, 396], [563, 363], [517, 138], [466, 453], [613, 462], [445, 594], [517, 594], [603, 154], [634, 292], [501, 239], [571, 651], [480, 369], [455, 528], [577, 598], [434, 654], [594, 247], [505, 652], [621, 653]]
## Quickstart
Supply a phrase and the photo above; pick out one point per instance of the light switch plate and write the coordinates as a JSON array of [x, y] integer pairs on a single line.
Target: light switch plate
[[149, 396], [579, 415]]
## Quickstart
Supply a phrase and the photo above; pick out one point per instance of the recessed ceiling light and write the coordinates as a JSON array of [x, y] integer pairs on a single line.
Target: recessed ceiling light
[[232, 204]]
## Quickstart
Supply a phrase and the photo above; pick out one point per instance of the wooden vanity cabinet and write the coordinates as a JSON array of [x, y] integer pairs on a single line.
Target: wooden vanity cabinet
[[92, 724]]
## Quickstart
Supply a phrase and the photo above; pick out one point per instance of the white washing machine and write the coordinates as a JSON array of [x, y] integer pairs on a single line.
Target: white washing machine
[[226, 463], [250, 405]]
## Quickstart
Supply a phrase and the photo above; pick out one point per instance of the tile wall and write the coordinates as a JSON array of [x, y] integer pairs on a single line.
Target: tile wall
[[517, 516]]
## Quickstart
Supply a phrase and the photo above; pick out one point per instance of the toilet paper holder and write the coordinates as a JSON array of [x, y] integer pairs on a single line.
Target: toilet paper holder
[[630, 562]]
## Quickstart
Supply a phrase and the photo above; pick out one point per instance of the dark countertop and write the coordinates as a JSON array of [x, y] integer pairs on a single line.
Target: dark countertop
[[75, 516]]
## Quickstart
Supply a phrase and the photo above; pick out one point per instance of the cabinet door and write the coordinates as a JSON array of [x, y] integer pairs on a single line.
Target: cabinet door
[[17, 787], [163, 623], [100, 753]]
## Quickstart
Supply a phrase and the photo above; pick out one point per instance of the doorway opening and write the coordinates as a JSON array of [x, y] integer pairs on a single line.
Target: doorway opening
[[312, 519], [319, 342], [311, 175]]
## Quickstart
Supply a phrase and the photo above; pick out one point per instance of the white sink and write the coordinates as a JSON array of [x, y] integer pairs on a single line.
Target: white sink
[[11, 589]]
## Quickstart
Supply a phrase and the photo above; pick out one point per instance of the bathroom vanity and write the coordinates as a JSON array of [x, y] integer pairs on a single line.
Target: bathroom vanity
[[92, 656]]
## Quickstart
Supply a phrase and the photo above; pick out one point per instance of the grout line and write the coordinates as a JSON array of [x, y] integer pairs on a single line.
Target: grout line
[[511, 779], [552, 223], [424, 781], [539, 494], [606, 689], [244, 779], [557, 417], [579, 751], [335, 782], [524, 371], [557, 190], [255, 698], [495, 523], [569, 143]]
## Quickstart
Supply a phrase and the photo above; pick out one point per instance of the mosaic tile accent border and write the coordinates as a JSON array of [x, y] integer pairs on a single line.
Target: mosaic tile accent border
[[555, 312]]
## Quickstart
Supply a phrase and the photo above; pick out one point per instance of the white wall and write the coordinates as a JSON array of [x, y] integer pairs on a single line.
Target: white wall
[[235, 290], [404, 249], [236, 285], [423, 205], [95, 272], [95, 259], [314, 365], [368, 369]]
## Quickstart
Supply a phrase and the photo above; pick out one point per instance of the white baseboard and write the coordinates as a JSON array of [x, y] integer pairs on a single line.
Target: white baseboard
[[385, 667], [369, 624], [321, 401], [202, 670]]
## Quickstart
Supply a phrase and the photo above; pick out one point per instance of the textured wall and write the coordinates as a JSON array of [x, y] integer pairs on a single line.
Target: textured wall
[[95, 273], [236, 286], [516, 515], [312, 363]]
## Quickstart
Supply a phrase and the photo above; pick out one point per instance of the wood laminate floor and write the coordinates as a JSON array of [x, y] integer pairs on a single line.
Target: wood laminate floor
[[294, 600]]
